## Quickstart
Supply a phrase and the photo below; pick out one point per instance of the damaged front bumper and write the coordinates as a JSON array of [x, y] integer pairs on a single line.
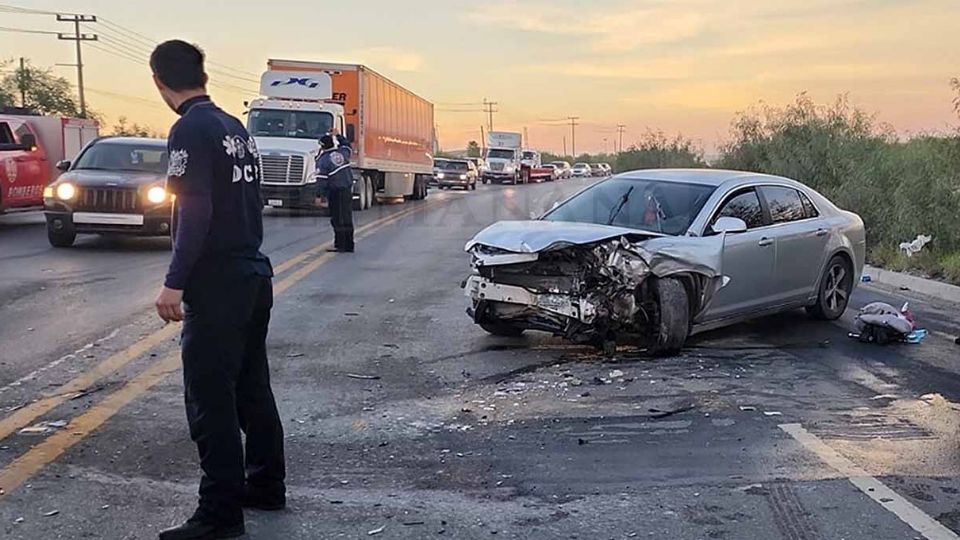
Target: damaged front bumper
[[581, 282]]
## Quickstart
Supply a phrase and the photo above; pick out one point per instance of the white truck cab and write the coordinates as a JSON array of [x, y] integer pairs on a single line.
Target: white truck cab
[[502, 158], [287, 123]]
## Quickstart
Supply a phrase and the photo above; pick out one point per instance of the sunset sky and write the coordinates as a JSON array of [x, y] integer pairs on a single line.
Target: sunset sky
[[677, 65]]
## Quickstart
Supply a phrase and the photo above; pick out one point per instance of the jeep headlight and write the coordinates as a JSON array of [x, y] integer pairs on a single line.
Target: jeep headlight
[[66, 191], [463, 177], [157, 195], [441, 176]]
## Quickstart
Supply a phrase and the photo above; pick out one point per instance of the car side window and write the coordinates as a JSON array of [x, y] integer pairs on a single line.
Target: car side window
[[22, 130], [6, 134], [809, 210], [784, 203], [744, 205]]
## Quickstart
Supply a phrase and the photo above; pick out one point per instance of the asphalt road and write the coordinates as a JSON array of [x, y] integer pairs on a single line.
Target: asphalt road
[[779, 428]]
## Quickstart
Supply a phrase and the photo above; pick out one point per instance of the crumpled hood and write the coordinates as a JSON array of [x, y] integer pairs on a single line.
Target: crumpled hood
[[537, 236], [285, 145]]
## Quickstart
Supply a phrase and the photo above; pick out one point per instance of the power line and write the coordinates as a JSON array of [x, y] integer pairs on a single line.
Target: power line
[[489, 107], [4, 8], [573, 134], [620, 129], [78, 37], [26, 31]]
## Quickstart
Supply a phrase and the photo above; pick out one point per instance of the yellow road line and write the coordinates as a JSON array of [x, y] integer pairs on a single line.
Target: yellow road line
[[25, 416], [32, 461]]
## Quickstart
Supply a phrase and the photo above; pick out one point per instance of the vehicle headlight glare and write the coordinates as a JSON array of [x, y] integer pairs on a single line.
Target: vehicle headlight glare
[[66, 191], [157, 195], [463, 177], [440, 176]]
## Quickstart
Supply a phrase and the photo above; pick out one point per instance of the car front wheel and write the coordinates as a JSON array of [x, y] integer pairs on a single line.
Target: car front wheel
[[501, 329], [62, 238], [835, 288], [672, 323]]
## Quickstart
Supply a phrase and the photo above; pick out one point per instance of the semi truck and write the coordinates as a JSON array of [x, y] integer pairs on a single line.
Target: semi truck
[[390, 130], [31, 146], [506, 162]]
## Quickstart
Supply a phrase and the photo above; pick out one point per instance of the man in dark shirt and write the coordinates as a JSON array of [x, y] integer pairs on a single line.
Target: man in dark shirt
[[224, 285], [335, 182]]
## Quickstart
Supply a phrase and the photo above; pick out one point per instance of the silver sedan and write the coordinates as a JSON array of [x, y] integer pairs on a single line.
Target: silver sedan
[[663, 254]]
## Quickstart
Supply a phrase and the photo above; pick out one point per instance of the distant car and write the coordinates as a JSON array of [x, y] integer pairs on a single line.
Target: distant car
[[565, 170], [666, 253], [437, 163], [555, 175], [606, 168], [598, 170], [457, 173], [582, 170], [116, 186]]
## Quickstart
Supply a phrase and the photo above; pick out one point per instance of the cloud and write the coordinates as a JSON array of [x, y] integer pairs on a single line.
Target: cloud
[[656, 70], [610, 30]]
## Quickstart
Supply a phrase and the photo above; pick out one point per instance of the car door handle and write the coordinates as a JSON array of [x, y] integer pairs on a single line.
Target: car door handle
[[822, 232], [764, 242]]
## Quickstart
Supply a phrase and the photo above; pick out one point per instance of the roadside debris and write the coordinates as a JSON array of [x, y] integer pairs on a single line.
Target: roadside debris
[[882, 324], [866, 278], [51, 513], [43, 427], [659, 413], [911, 248], [363, 377], [376, 531], [295, 355], [747, 408]]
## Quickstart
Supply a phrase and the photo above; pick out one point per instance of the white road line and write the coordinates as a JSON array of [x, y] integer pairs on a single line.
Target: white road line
[[871, 487], [39, 371]]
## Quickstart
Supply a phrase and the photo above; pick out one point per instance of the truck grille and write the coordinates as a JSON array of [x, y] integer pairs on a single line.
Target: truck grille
[[282, 169], [496, 167], [118, 200]]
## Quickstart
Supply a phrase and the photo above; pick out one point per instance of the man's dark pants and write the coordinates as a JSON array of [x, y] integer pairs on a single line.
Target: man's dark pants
[[341, 217], [227, 389]]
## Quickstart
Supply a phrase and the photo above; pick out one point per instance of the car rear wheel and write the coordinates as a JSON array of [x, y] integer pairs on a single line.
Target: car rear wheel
[[672, 322], [835, 288], [501, 329], [361, 202], [371, 194], [62, 238]]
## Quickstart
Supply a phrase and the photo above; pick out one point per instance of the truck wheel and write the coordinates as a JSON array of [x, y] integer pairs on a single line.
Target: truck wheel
[[501, 329], [835, 288], [525, 176], [62, 238], [361, 202], [371, 194], [672, 323]]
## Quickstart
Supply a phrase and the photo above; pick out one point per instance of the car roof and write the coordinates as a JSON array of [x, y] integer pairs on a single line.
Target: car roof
[[135, 140], [709, 177]]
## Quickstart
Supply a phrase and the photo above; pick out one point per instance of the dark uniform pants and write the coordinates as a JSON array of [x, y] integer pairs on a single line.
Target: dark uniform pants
[[341, 217], [227, 389]]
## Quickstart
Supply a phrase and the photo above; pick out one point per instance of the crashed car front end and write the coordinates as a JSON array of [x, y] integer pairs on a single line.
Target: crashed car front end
[[582, 282]]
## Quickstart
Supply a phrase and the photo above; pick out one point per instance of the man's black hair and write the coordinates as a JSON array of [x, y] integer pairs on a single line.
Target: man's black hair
[[326, 141], [179, 65]]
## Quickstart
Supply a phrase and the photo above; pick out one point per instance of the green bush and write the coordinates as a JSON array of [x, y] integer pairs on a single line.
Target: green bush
[[899, 188]]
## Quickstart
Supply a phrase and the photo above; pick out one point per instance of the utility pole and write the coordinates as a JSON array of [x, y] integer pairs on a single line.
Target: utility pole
[[78, 37], [620, 129], [564, 146], [526, 139], [489, 107], [22, 80], [573, 135]]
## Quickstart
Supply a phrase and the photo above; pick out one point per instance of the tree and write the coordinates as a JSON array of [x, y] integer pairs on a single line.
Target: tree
[[955, 84], [133, 130], [39, 90], [473, 149], [655, 150]]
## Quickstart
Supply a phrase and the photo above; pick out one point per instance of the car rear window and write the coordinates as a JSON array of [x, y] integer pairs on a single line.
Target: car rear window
[[784, 203]]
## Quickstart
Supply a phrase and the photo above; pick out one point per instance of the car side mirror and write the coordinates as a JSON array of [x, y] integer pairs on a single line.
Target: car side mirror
[[351, 133], [729, 225], [28, 141], [63, 165]]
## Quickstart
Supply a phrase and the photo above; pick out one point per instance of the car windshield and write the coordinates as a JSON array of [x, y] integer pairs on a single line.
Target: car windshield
[[660, 207], [438, 163], [559, 164], [529, 155], [581, 166], [123, 156], [454, 166], [499, 153], [293, 124]]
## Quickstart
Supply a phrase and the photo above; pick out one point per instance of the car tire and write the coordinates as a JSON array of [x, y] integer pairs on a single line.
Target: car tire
[[833, 295], [62, 238], [501, 329], [672, 324], [371, 195], [360, 203]]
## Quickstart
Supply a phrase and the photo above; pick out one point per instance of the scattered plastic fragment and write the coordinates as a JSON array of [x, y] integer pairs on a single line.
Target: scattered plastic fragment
[[51, 513], [295, 355], [912, 248], [916, 337], [376, 531], [884, 396], [616, 374], [772, 413], [363, 377], [747, 408], [866, 278], [18, 520]]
